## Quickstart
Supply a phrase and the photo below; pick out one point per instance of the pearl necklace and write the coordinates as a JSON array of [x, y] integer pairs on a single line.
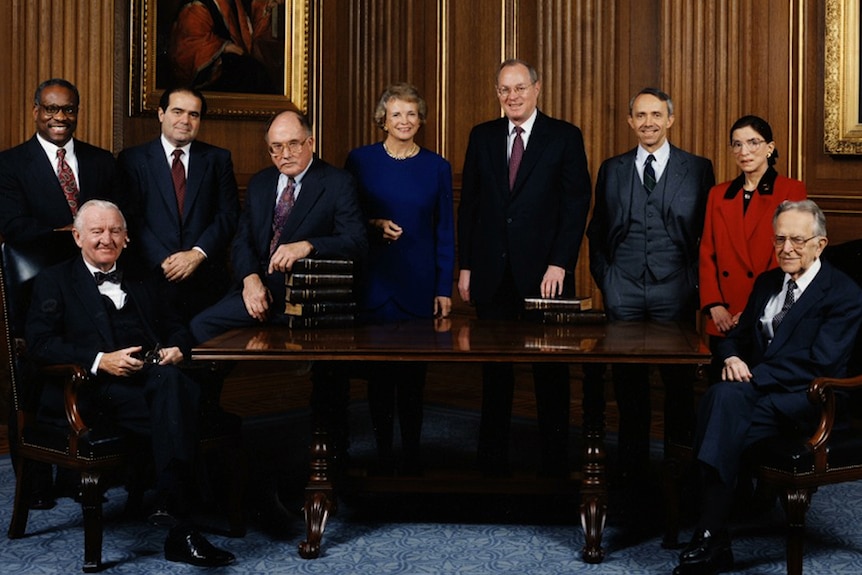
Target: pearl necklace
[[412, 152]]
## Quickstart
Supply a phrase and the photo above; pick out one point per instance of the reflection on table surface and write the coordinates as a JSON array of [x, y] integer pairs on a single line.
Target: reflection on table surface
[[464, 339]]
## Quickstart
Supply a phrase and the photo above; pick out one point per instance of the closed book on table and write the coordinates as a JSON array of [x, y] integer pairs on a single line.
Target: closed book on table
[[320, 321], [314, 266], [318, 294], [307, 280], [320, 308], [571, 304]]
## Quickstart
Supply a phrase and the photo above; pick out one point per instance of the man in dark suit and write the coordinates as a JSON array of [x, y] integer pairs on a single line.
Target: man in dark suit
[[42, 183], [524, 204], [644, 236], [181, 198], [33, 200], [800, 323], [83, 312], [322, 219]]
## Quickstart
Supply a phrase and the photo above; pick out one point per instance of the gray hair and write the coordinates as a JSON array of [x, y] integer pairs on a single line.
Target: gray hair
[[93, 204], [806, 207], [399, 91], [653, 92]]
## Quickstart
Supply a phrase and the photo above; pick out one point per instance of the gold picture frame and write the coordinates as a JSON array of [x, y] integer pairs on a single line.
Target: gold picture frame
[[842, 126], [287, 41]]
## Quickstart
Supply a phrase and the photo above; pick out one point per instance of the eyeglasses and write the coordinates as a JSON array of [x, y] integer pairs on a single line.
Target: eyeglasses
[[518, 90], [53, 110], [796, 242], [751, 145], [293, 146]]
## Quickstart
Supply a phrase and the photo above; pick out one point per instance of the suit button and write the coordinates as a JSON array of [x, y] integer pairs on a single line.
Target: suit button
[[508, 220], [750, 275], [725, 274]]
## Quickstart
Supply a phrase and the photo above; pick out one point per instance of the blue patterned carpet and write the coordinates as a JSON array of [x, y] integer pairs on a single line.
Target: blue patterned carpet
[[430, 534]]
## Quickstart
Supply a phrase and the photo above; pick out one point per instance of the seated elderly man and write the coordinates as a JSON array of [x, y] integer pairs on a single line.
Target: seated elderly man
[[83, 311], [800, 323]]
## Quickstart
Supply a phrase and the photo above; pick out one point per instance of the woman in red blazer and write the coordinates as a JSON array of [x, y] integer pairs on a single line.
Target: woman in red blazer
[[736, 245]]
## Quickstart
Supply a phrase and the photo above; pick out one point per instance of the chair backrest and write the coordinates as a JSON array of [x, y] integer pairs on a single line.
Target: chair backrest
[[19, 265]]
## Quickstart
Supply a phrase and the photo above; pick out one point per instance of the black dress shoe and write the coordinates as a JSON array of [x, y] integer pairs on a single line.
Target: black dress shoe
[[186, 545], [707, 553]]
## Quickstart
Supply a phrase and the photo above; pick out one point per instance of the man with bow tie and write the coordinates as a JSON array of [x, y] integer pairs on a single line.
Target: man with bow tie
[[84, 312]]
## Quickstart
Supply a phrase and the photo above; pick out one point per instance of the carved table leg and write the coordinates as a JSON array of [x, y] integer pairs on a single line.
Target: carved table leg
[[319, 496], [594, 488]]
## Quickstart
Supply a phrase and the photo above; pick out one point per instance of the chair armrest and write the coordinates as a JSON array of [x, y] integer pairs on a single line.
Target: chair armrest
[[822, 392], [73, 377]]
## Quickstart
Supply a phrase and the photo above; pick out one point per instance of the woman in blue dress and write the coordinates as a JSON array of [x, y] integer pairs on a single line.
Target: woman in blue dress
[[406, 194]]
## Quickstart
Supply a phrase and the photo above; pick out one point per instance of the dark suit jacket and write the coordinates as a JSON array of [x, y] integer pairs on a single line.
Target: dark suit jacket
[[32, 203], [688, 180], [211, 207], [326, 214], [540, 223], [68, 323], [815, 338]]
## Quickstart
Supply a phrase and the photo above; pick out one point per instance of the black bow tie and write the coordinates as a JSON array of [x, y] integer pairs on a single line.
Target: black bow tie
[[115, 276]]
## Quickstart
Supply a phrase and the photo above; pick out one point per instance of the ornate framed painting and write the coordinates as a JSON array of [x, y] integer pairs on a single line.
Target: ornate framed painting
[[842, 122], [249, 57]]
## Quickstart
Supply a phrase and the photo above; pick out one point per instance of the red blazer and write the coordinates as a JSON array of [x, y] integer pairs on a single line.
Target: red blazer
[[735, 249]]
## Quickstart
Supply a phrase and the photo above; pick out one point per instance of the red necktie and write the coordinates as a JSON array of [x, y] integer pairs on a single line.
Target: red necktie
[[282, 211], [515, 157], [67, 181], [178, 175]]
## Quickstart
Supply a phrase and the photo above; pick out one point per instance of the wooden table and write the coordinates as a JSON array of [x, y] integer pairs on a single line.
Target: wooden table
[[461, 339]]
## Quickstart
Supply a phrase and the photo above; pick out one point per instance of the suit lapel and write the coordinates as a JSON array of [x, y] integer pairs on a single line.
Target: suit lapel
[[812, 295], [198, 164], [674, 174], [310, 191], [41, 170], [535, 147], [158, 165], [265, 200], [90, 300], [730, 215]]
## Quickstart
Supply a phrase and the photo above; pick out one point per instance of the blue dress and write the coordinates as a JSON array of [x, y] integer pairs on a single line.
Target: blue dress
[[404, 276]]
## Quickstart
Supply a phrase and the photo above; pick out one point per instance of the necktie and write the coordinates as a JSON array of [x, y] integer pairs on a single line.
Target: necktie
[[282, 211], [115, 277], [789, 300], [67, 181], [178, 175], [516, 156], [649, 174]]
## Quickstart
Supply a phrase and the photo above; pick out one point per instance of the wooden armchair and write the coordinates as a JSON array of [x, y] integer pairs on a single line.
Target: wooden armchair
[[96, 450], [90, 451], [797, 466]]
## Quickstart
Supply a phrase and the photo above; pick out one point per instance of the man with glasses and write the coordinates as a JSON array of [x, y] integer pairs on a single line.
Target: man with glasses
[[44, 180], [800, 323], [644, 234], [300, 207], [180, 196], [42, 183], [524, 204]]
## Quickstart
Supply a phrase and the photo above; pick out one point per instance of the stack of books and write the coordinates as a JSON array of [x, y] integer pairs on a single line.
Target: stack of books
[[319, 293], [564, 310]]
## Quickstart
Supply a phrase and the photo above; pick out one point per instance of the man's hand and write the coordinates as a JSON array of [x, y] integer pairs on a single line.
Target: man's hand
[[179, 266], [735, 370], [552, 283], [390, 230], [283, 258], [464, 285], [442, 306], [256, 297], [170, 356], [121, 363]]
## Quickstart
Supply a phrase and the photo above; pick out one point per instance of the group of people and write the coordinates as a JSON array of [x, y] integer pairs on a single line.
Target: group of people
[[665, 242]]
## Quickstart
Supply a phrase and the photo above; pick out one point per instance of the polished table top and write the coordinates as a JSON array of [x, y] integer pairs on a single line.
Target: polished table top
[[464, 339]]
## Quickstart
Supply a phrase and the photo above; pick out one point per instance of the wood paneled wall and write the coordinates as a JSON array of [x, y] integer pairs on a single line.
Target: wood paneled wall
[[719, 59]]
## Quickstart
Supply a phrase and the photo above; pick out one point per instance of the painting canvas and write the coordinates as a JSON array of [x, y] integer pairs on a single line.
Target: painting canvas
[[250, 57]]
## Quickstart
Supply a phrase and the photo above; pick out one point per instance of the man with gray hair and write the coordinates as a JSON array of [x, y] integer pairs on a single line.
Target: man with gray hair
[[800, 323]]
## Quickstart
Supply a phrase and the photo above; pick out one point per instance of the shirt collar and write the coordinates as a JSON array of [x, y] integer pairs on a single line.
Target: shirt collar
[[661, 155], [51, 148], [169, 148], [527, 126], [807, 277], [93, 269]]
